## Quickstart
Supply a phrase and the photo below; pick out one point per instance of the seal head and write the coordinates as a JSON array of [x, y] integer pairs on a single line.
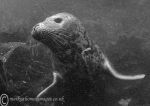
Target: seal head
[[63, 33]]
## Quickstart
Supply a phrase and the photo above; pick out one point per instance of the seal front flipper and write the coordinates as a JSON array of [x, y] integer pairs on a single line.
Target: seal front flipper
[[51, 90], [107, 65], [89, 56]]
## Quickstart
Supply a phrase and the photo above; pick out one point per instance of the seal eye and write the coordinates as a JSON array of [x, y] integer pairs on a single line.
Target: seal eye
[[58, 20]]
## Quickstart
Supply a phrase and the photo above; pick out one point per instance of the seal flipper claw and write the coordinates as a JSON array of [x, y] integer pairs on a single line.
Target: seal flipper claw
[[87, 49]]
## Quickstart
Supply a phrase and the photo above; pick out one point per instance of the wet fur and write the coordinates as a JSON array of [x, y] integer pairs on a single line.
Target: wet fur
[[82, 69]]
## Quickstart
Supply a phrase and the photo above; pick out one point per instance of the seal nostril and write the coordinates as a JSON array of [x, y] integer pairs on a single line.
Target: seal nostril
[[58, 20], [36, 25], [34, 28]]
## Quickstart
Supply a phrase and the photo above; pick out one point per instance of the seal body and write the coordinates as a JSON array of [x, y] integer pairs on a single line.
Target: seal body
[[77, 59]]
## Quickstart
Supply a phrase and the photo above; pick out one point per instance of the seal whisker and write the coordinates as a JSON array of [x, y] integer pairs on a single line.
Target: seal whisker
[[59, 39], [62, 32], [55, 40]]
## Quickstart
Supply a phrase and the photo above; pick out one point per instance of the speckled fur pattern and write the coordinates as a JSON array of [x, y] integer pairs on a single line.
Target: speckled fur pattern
[[76, 58]]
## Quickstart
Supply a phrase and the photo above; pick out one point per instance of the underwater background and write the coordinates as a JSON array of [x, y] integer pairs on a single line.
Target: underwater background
[[120, 27]]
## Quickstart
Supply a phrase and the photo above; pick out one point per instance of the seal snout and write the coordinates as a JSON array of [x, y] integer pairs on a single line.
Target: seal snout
[[36, 31], [38, 26]]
